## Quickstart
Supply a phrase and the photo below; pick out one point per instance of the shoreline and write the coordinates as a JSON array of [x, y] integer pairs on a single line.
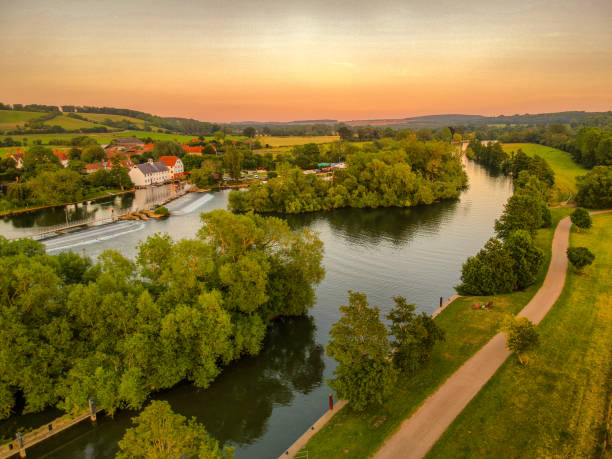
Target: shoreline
[[302, 441]]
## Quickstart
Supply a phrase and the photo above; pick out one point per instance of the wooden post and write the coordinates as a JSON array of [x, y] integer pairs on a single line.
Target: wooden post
[[331, 402], [92, 409], [22, 451], [440, 301]]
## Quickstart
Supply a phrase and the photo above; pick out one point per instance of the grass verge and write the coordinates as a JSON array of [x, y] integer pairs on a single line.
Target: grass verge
[[556, 405], [358, 435]]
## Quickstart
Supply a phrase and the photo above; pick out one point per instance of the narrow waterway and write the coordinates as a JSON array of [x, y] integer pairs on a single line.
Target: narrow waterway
[[261, 405]]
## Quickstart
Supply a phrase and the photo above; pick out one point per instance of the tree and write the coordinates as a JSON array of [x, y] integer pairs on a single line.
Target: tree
[[233, 161], [167, 148], [159, 433], [415, 336], [581, 218], [521, 337], [580, 257], [39, 156], [595, 188], [249, 132], [93, 154], [522, 211], [490, 272], [358, 343], [527, 257], [345, 133]]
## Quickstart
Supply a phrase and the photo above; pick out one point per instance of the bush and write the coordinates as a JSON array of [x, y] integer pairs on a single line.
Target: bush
[[580, 257], [162, 211], [581, 218], [521, 336]]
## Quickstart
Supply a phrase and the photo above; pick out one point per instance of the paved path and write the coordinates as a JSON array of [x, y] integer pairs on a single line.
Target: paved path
[[420, 432]]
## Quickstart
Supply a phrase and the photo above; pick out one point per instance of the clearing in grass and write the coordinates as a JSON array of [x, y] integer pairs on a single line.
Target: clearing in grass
[[556, 405]]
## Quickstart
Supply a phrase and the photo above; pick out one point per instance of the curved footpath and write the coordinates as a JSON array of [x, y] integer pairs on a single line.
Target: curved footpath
[[417, 435]]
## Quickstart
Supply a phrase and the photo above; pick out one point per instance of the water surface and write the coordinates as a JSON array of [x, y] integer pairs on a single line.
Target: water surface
[[262, 404]]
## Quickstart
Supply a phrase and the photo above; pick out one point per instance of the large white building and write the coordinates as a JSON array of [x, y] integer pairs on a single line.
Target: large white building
[[173, 163], [150, 173]]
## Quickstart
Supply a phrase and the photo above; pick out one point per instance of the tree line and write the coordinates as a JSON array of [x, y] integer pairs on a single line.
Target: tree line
[[117, 329], [511, 261], [384, 174]]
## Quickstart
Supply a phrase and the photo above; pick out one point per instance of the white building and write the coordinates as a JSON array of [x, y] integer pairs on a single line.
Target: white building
[[173, 163], [150, 173]]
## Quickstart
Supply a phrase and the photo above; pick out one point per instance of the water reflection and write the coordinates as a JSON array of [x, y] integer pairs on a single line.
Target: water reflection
[[371, 226], [290, 362]]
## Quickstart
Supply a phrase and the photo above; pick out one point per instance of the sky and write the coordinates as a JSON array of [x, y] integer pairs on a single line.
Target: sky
[[281, 60]]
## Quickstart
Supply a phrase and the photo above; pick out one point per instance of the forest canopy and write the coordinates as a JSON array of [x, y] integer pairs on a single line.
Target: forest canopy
[[116, 330], [387, 173]]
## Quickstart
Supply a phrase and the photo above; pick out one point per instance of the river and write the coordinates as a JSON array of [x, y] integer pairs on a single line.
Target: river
[[262, 404]]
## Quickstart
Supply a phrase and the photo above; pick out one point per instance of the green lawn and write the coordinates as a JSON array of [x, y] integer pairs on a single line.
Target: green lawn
[[68, 123], [359, 435], [296, 140], [554, 406], [562, 163], [9, 119], [101, 117]]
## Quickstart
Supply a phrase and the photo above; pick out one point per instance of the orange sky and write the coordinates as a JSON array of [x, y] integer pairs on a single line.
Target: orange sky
[[287, 60]]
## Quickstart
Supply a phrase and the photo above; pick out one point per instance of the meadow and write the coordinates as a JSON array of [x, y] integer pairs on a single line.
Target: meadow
[[295, 140], [9, 119], [566, 170], [101, 117], [555, 406], [68, 123], [360, 435]]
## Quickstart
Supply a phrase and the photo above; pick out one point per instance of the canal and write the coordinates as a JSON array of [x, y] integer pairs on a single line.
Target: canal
[[262, 404]]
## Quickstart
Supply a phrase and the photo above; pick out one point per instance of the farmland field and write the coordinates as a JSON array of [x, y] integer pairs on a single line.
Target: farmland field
[[566, 170], [9, 119], [295, 140], [68, 123], [101, 117]]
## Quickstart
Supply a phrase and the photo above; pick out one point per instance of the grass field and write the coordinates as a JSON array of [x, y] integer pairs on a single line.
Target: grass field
[[9, 119], [554, 406], [295, 140], [358, 435], [69, 123], [101, 117], [566, 170]]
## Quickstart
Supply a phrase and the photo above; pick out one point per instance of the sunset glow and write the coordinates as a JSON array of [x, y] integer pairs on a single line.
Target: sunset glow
[[275, 60]]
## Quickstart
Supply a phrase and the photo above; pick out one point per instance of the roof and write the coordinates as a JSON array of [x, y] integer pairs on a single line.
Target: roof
[[189, 149], [151, 168], [169, 161], [148, 146], [95, 166], [61, 155]]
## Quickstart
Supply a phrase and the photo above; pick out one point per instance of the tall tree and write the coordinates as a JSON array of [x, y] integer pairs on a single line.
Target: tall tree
[[359, 344]]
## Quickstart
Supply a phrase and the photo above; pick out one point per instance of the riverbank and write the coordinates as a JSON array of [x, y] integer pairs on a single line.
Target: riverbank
[[556, 405], [360, 435], [8, 213]]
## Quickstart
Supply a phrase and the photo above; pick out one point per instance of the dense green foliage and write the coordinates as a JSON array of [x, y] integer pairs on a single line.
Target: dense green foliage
[[593, 147], [581, 218], [159, 433], [522, 212], [580, 257], [43, 180], [512, 261], [117, 330], [359, 344], [595, 188], [521, 336], [415, 336], [396, 173], [162, 211]]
